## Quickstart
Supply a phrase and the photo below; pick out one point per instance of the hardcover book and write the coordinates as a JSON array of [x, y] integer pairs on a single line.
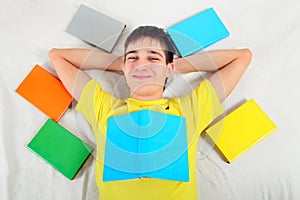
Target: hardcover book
[[197, 32], [240, 130], [146, 144], [46, 92], [96, 28], [60, 148]]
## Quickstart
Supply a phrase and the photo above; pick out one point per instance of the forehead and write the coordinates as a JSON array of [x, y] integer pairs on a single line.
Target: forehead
[[145, 43]]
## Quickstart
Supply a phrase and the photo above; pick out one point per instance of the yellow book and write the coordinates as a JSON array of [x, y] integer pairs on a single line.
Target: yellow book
[[240, 130]]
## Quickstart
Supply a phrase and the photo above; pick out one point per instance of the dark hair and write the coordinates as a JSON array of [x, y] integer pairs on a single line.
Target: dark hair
[[155, 33]]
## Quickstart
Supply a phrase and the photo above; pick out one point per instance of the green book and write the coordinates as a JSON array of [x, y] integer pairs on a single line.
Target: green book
[[60, 148]]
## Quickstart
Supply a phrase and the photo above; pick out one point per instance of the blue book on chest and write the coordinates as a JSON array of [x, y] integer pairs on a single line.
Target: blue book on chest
[[146, 144], [197, 32]]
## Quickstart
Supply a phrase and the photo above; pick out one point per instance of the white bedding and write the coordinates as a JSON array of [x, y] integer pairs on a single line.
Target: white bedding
[[271, 29]]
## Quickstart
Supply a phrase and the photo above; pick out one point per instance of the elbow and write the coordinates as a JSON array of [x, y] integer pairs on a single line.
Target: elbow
[[53, 54], [55, 57], [246, 55]]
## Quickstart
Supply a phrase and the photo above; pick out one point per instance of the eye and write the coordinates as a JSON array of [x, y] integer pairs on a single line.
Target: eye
[[132, 58], [154, 59]]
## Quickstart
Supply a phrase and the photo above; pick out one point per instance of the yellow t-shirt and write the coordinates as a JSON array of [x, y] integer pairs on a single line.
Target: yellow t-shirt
[[199, 109]]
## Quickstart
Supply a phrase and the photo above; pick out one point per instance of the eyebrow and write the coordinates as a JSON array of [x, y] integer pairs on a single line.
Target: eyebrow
[[155, 52], [150, 51], [133, 51]]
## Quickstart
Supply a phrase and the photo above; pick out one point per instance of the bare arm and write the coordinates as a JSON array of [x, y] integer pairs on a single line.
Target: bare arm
[[70, 63], [228, 67]]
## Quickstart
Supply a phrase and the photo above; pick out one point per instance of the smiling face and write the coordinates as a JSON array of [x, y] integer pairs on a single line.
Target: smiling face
[[145, 69]]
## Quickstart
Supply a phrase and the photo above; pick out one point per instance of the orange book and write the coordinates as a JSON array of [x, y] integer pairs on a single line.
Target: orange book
[[46, 92]]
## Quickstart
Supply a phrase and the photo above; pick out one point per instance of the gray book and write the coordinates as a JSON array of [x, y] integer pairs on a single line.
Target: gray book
[[96, 28]]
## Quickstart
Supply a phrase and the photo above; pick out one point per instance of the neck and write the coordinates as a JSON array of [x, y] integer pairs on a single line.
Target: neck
[[146, 97]]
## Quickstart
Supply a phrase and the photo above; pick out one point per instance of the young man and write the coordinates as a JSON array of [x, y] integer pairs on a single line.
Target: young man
[[146, 64]]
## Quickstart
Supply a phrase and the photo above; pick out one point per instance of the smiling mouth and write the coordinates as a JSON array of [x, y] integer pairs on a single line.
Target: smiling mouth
[[140, 77]]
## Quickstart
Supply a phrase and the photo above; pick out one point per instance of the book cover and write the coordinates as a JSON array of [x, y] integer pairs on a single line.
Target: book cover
[[60, 148], [96, 28], [146, 144], [46, 92], [197, 32], [240, 130]]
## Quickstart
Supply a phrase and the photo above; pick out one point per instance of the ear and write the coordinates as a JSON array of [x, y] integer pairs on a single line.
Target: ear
[[170, 68]]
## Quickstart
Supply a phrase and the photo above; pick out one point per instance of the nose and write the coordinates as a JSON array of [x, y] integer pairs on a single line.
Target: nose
[[142, 67], [142, 64]]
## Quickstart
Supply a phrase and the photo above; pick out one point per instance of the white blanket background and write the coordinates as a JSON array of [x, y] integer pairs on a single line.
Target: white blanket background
[[271, 29]]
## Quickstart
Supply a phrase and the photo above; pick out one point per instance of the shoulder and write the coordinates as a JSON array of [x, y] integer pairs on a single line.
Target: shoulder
[[203, 91], [203, 98], [92, 95]]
